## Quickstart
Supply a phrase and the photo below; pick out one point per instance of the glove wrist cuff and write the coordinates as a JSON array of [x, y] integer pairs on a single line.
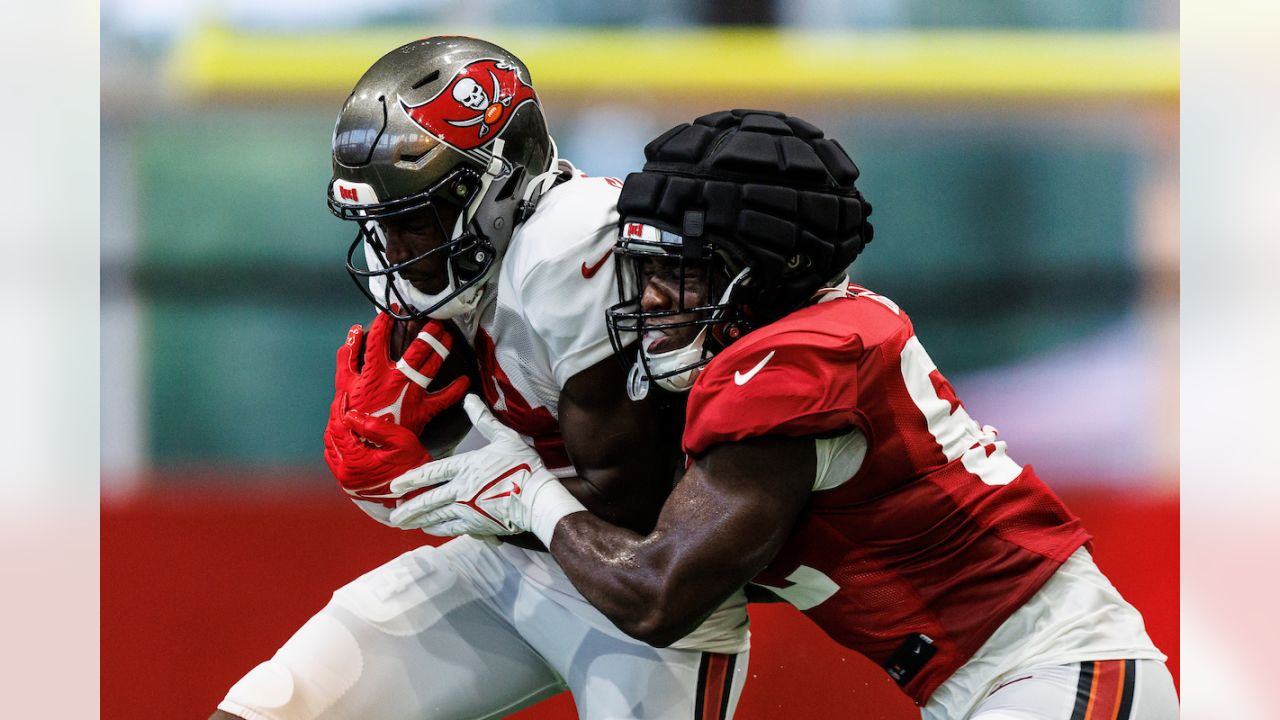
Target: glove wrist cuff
[[551, 503]]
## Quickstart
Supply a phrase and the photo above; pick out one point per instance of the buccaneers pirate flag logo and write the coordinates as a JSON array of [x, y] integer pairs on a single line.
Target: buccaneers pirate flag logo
[[475, 105]]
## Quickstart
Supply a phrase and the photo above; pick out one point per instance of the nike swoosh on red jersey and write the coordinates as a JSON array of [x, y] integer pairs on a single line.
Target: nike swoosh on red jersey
[[589, 271], [741, 378]]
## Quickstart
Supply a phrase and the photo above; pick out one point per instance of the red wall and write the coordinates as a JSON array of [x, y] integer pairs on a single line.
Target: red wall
[[201, 585]]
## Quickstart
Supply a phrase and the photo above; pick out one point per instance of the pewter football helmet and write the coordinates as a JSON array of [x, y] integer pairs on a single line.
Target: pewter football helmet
[[442, 121]]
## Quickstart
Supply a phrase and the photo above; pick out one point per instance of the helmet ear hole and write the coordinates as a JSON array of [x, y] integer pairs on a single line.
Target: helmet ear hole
[[796, 263], [725, 333], [472, 261], [509, 187]]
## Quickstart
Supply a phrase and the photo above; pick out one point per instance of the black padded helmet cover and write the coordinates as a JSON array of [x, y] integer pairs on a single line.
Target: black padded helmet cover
[[762, 191]]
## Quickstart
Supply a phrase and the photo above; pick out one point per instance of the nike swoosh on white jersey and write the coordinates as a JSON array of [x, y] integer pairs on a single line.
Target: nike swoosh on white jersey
[[741, 378]]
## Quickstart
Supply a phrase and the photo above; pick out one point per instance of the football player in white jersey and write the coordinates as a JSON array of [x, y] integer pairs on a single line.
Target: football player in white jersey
[[443, 160], [829, 459]]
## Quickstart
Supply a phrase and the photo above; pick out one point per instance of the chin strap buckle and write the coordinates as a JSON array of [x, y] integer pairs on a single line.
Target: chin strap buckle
[[637, 382], [525, 210], [498, 165]]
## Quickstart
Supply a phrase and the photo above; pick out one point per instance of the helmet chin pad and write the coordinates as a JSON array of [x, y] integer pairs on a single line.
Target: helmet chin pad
[[460, 304], [691, 358], [444, 305]]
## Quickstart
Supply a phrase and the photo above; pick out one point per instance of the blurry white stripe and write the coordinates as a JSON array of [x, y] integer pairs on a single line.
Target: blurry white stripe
[[418, 378]]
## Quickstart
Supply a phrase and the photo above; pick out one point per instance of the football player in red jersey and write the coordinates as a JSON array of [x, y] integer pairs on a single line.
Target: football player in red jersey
[[829, 459]]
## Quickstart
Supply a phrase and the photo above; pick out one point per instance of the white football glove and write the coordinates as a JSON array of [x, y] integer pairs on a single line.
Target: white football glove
[[500, 489]]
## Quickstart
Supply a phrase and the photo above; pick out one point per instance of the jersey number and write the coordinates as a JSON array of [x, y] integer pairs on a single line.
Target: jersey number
[[807, 588], [957, 433]]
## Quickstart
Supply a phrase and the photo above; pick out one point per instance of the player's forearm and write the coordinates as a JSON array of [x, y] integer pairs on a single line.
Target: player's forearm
[[627, 502], [721, 524], [611, 509], [624, 465], [638, 582]]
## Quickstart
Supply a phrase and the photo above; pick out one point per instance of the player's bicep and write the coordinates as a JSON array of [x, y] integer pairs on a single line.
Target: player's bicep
[[734, 508], [625, 469]]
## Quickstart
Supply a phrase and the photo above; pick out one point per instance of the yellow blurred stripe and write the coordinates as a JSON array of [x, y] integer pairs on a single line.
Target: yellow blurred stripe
[[968, 64]]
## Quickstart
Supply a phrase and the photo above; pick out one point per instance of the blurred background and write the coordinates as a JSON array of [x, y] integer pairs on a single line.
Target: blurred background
[[1022, 159]]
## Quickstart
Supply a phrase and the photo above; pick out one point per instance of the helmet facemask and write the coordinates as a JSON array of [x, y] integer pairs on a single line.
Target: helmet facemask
[[468, 252], [699, 319]]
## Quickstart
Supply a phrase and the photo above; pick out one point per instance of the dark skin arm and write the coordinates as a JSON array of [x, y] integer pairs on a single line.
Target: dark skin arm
[[724, 521], [625, 469]]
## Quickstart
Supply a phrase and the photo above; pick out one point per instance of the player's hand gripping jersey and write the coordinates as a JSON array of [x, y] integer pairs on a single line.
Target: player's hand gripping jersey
[[919, 523]]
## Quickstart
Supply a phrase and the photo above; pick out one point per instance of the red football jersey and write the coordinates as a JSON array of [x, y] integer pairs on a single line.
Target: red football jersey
[[938, 532]]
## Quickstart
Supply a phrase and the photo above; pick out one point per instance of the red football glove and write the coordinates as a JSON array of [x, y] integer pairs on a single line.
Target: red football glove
[[381, 406]]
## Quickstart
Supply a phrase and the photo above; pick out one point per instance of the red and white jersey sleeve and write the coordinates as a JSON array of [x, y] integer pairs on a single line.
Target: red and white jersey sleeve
[[547, 320], [936, 532]]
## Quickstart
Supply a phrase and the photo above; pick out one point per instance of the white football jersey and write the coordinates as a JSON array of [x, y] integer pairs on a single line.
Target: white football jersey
[[545, 324], [542, 320]]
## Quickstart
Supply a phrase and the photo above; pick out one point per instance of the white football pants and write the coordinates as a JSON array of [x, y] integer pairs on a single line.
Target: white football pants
[[1096, 690], [456, 633]]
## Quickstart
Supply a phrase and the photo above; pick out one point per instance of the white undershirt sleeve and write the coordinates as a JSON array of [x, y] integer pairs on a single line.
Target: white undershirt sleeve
[[839, 459]]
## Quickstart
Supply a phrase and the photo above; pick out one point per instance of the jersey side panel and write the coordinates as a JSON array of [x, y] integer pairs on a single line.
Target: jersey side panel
[[548, 321]]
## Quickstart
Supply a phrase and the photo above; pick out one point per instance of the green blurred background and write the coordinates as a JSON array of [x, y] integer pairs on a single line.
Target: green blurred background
[[1027, 224]]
